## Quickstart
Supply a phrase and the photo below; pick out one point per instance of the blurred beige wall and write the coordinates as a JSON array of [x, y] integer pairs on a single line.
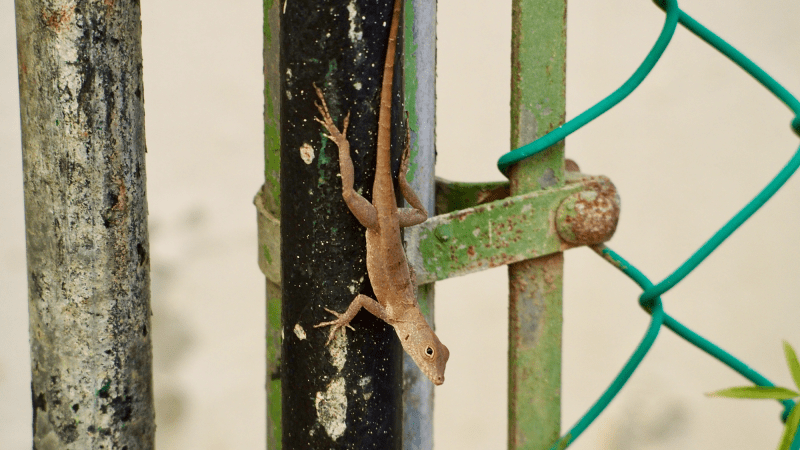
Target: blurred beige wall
[[686, 150]]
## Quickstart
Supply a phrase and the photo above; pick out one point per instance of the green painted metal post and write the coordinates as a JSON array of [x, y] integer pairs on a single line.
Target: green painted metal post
[[269, 199], [538, 58]]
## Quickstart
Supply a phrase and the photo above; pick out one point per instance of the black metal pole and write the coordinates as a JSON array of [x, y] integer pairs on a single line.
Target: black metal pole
[[346, 394]]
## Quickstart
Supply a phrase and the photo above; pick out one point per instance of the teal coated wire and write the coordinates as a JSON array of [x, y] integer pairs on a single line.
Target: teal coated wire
[[783, 95], [668, 321], [728, 229], [656, 320], [743, 62], [684, 332], [650, 299], [557, 135], [724, 357]]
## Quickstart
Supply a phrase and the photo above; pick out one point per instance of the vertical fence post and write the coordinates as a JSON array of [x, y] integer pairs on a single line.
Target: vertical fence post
[[82, 114], [420, 102], [538, 61], [346, 394], [268, 202]]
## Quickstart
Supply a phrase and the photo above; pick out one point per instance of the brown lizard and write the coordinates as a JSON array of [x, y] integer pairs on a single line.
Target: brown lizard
[[392, 279]]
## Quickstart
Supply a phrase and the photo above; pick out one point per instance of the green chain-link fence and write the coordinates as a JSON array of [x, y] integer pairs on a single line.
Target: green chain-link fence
[[650, 299]]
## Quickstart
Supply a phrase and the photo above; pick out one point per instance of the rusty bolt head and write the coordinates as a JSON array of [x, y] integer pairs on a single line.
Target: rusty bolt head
[[589, 217]]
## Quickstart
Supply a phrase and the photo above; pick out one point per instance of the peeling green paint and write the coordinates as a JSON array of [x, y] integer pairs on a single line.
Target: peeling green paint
[[535, 287], [268, 4], [411, 85], [269, 240], [267, 256], [268, 205], [272, 143], [538, 98], [490, 235], [455, 195], [273, 345], [538, 87], [103, 389], [324, 157], [424, 303]]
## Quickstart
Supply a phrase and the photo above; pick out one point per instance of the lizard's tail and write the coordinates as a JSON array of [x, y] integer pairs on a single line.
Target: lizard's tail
[[385, 111]]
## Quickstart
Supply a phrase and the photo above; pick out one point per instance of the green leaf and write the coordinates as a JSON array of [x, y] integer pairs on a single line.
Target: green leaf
[[791, 360], [789, 431], [773, 392]]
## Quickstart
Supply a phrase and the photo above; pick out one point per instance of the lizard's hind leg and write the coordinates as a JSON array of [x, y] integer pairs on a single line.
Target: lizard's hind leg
[[359, 206], [417, 213]]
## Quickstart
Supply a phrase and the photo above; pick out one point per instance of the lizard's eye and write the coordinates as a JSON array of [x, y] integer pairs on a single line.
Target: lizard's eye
[[429, 351]]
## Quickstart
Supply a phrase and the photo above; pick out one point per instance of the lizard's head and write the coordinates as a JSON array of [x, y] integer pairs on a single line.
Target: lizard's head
[[421, 343]]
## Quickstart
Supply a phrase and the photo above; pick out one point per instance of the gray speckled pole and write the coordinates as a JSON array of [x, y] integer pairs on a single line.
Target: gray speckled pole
[[82, 114], [420, 91]]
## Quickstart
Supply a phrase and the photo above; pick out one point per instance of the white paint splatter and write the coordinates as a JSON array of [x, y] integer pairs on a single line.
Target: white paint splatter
[[307, 153], [331, 406], [355, 34], [366, 387], [338, 350], [355, 286], [299, 332]]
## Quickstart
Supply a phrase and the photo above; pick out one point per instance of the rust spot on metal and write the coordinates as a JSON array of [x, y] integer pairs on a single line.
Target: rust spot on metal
[[571, 166], [590, 216], [492, 195], [55, 19], [464, 213]]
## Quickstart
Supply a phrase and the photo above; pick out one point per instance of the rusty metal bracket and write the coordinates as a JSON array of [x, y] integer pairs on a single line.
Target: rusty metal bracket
[[583, 212]]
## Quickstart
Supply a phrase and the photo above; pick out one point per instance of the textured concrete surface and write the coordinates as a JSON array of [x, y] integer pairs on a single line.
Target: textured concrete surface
[[691, 146]]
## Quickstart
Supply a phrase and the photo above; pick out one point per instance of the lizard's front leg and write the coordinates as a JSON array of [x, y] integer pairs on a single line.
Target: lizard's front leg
[[343, 320], [417, 213], [359, 206]]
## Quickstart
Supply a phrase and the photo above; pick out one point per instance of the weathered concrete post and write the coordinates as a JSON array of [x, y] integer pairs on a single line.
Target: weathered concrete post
[[82, 114]]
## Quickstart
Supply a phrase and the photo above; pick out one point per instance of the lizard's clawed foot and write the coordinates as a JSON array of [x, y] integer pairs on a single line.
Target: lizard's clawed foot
[[327, 121], [340, 323]]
